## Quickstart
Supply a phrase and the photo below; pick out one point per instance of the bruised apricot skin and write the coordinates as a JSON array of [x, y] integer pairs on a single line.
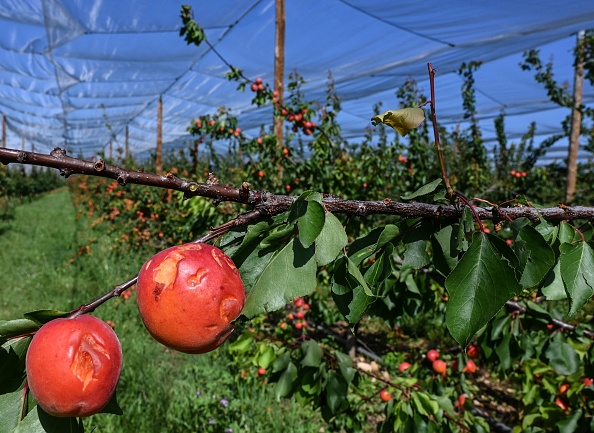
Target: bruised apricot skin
[[188, 295], [73, 366]]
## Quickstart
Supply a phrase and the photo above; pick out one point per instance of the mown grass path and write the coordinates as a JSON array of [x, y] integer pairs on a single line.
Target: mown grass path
[[35, 246]]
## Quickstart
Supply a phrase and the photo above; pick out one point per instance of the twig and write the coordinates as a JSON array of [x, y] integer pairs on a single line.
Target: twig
[[444, 173]]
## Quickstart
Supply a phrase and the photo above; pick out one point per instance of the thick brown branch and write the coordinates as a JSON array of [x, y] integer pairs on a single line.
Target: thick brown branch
[[270, 204]]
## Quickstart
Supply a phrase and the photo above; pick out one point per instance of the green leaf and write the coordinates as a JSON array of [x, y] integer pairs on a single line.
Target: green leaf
[[311, 224], [345, 363], [12, 364], [290, 274], [10, 408], [113, 406], [402, 120], [43, 316], [38, 421], [445, 251], [422, 191], [356, 274], [381, 268], [331, 240], [14, 328], [425, 406], [577, 271], [478, 287], [312, 354], [537, 255], [368, 244], [266, 357], [286, 382], [242, 344], [553, 287], [562, 357], [350, 298], [415, 255], [336, 393]]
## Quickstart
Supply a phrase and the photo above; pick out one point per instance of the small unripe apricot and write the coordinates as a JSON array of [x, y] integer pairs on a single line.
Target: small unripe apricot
[[188, 295], [73, 366]]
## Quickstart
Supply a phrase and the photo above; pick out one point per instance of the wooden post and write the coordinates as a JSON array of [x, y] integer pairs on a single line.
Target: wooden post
[[279, 67], [159, 153], [126, 145], [3, 130], [576, 120]]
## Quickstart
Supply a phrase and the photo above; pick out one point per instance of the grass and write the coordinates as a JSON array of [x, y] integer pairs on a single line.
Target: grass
[[158, 389]]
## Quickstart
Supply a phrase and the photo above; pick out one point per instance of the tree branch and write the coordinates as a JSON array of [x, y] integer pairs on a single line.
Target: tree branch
[[267, 203]]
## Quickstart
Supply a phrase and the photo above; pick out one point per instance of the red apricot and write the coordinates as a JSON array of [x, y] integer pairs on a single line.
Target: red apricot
[[188, 295], [73, 366], [385, 395], [439, 366], [403, 366], [473, 351], [432, 355]]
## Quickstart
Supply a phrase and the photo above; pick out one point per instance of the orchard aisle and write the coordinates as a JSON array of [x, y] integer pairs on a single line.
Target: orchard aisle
[[35, 247]]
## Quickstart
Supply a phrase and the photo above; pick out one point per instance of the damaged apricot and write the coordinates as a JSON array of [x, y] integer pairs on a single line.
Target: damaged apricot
[[73, 366], [188, 295]]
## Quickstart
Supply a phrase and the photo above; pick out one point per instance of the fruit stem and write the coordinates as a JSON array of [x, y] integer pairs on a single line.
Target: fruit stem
[[115, 292]]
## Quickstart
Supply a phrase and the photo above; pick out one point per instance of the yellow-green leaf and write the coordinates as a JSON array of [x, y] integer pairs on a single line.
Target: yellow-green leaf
[[402, 120]]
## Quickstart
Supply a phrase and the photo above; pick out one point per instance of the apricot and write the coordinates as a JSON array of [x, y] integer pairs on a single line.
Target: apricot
[[188, 295], [73, 366]]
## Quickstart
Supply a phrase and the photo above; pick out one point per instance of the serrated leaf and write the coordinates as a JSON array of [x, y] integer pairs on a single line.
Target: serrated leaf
[[368, 244], [10, 408], [286, 382], [553, 287], [478, 287], [577, 271], [331, 240], [422, 191], [415, 255], [539, 257], [402, 120], [289, 274]]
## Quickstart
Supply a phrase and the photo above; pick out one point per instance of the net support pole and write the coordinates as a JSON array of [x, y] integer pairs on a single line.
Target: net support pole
[[3, 130], [576, 121], [159, 152], [279, 67], [126, 143]]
